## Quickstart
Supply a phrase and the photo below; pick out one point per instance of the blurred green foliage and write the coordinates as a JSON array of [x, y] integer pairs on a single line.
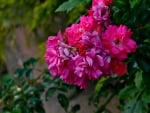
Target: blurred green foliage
[[21, 91], [33, 15], [36, 16]]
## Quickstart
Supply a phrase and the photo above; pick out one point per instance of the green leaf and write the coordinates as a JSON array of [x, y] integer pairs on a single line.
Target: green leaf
[[6, 78], [134, 3], [30, 90], [133, 106], [97, 91], [120, 3], [50, 92], [29, 62], [127, 91], [7, 112], [33, 101], [99, 85], [16, 110], [144, 65], [75, 108], [65, 87], [39, 88], [57, 80], [7, 81], [138, 80], [29, 73], [39, 109], [70, 4], [46, 79], [63, 100], [26, 109], [18, 97], [146, 96], [20, 73]]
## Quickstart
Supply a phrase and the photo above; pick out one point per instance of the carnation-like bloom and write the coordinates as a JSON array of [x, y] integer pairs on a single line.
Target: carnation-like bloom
[[74, 34], [72, 73], [51, 56], [118, 67], [88, 24], [91, 40], [89, 65], [118, 41], [81, 69], [57, 52], [101, 14]]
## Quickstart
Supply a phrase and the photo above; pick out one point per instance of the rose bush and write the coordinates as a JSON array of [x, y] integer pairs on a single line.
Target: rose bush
[[107, 47], [91, 48]]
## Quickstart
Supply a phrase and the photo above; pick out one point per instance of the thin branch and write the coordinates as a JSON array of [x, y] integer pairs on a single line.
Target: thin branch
[[102, 107]]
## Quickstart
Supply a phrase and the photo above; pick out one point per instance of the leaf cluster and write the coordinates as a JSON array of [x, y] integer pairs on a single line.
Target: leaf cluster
[[21, 91]]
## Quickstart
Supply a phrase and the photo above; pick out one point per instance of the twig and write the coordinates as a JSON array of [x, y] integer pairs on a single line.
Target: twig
[[102, 107]]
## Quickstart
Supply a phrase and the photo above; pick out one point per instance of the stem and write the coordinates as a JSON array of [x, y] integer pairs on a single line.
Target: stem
[[34, 81], [102, 107]]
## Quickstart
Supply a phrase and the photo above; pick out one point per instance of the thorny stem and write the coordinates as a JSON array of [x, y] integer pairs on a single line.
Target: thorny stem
[[102, 107]]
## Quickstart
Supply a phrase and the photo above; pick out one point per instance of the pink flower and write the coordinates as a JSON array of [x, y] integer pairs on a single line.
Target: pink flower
[[74, 34], [70, 76], [85, 67], [88, 23], [80, 69], [99, 2], [51, 56], [101, 14], [118, 67], [91, 40], [65, 51], [118, 41], [57, 52], [92, 64]]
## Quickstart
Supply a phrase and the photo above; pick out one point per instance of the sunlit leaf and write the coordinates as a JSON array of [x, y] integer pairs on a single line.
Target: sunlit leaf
[[99, 85], [138, 80], [70, 4]]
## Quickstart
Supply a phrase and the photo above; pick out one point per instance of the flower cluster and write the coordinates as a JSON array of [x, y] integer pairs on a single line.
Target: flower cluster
[[91, 48]]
